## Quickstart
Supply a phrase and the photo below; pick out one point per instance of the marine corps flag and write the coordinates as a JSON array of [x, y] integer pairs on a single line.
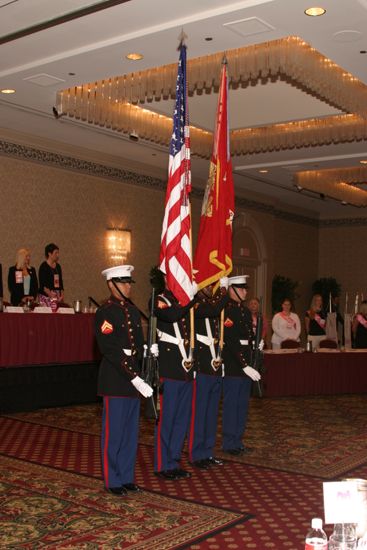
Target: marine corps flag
[[213, 255]]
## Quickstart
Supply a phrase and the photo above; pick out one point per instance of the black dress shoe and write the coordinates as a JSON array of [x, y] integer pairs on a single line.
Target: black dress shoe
[[131, 487], [167, 474], [214, 461], [180, 474], [202, 464], [234, 452], [119, 491]]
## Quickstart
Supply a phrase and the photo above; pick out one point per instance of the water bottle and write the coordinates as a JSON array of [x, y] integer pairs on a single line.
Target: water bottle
[[316, 538], [343, 537]]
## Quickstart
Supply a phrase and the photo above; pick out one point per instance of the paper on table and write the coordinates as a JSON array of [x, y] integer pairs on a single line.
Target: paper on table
[[341, 501]]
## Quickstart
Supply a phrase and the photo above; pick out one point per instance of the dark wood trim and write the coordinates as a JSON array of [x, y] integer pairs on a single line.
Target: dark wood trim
[[93, 8]]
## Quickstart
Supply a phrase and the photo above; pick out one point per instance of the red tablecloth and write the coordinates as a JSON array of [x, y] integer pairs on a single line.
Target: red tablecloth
[[315, 373], [36, 339]]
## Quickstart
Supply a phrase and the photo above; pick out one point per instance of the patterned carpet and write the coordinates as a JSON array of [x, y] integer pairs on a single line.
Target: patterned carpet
[[42, 509], [303, 435], [306, 436]]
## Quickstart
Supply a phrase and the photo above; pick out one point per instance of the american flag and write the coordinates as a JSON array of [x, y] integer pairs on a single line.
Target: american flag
[[175, 255]]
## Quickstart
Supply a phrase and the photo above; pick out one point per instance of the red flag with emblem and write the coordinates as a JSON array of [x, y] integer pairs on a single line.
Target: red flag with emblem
[[213, 255]]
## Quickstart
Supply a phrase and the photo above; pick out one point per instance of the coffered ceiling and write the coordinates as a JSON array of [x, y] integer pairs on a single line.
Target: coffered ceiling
[[51, 46]]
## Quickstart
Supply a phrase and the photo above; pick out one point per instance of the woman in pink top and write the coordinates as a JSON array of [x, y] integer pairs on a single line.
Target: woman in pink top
[[286, 325]]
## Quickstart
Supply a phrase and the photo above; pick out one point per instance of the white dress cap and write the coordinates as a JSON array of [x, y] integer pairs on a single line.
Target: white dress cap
[[119, 272], [239, 280]]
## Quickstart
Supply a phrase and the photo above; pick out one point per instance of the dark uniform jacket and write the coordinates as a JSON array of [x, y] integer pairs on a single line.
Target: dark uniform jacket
[[17, 289], [207, 309], [118, 328], [168, 311], [46, 277], [237, 328]]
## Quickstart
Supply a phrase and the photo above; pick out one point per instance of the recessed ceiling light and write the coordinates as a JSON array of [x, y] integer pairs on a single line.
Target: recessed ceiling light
[[134, 56], [315, 11], [363, 162], [7, 91], [263, 171]]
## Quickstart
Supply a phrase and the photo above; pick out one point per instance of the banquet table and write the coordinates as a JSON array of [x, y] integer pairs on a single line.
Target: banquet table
[[47, 360], [320, 373]]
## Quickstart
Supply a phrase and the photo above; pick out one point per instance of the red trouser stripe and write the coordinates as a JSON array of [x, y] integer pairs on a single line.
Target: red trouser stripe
[[159, 443], [106, 440], [192, 423]]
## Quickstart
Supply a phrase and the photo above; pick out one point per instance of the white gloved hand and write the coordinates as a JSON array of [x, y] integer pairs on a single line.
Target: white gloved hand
[[154, 350], [261, 345], [194, 288], [252, 373], [224, 282], [142, 386]]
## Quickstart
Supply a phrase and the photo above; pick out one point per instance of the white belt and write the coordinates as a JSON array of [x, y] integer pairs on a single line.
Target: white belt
[[177, 340], [205, 339], [244, 342], [209, 341], [165, 337]]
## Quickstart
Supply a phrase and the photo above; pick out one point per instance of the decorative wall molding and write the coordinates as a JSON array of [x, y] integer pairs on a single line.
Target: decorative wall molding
[[343, 222], [65, 162]]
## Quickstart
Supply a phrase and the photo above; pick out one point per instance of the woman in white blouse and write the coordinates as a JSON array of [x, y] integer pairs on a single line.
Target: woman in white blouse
[[286, 325]]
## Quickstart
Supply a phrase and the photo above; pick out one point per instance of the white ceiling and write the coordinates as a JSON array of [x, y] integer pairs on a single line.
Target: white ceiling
[[94, 47]]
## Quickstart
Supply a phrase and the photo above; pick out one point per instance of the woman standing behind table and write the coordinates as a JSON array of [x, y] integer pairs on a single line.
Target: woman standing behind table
[[315, 322], [359, 327], [254, 307], [286, 325], [50, 276], [22, 279]]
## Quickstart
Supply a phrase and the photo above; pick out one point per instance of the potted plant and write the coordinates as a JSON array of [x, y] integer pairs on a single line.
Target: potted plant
[[282, 288]]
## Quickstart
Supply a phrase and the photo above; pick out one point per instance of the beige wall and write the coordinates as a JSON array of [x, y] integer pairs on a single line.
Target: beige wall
[[296, 256], [342, 254], [42, 204]]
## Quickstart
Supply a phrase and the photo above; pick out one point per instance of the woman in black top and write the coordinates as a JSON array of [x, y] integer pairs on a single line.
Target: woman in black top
[[359, 327], [315, 321], [22, 279], [50, 275]]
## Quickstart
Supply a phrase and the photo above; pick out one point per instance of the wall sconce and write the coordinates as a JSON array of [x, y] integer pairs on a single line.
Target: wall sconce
[[118, 244]]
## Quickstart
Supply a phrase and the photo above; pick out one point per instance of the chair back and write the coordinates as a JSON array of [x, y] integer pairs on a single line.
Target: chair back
[[289, 344], [327, 343]]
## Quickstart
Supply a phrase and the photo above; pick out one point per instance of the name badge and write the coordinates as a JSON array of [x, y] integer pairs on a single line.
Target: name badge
[[18, 277], [56, 280]]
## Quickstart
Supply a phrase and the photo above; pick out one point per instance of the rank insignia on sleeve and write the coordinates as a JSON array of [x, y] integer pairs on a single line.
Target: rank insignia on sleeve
[[162, 305], [228, 323], [106, 328]]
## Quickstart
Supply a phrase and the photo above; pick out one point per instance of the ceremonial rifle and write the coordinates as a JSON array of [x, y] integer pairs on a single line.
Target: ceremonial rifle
[[149, 371], [257, 354]]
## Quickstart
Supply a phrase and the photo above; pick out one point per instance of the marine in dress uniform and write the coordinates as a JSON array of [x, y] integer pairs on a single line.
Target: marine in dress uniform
[[176, 375], [120, 339], [207, 389], [238, 343]]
